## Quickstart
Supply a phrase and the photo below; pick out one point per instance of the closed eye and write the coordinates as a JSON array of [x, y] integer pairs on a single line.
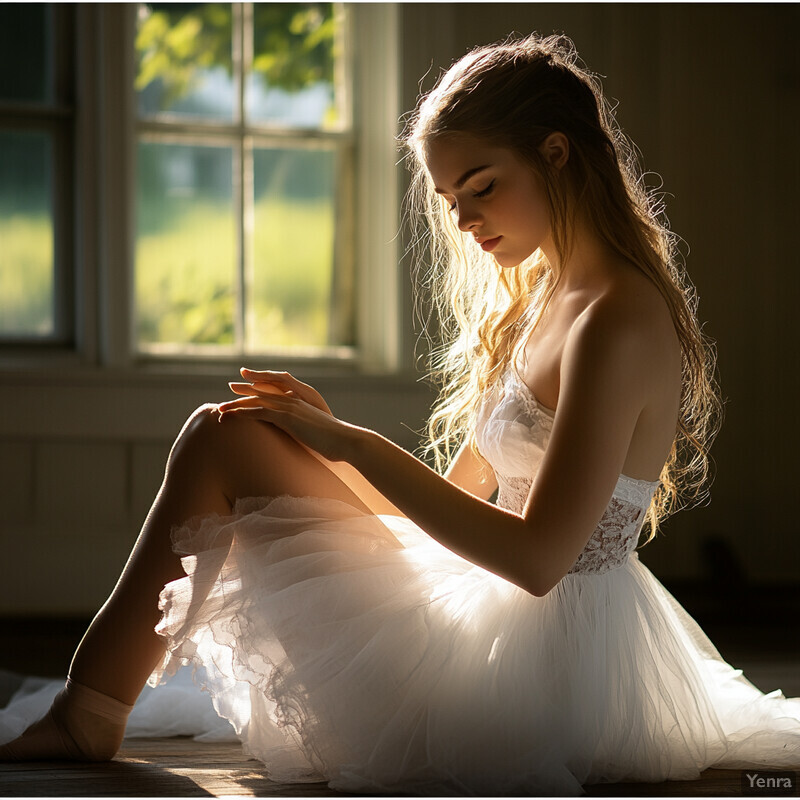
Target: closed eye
[[482, 193], [485, 191]]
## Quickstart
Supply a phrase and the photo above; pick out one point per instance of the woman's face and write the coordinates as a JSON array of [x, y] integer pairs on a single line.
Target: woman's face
[[495, 196]]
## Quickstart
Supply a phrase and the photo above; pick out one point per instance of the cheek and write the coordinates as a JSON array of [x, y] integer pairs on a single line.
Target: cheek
[[529, 216], [533, 197], [539, 213], [526, 206]]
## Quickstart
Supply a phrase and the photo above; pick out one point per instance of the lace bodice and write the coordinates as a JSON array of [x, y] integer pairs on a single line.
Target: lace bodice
[[512, 432]]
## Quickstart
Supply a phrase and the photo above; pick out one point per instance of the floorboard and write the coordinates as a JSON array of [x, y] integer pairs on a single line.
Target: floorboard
[[181, 767], [176, 767]]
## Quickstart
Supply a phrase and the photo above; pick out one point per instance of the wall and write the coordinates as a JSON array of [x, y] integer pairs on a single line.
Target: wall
[[709, 93]]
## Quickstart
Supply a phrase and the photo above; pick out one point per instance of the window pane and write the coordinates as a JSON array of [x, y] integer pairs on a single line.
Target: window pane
[[292, 82], [26, 49], [293, 248], [185, 60], [26, 235], [185, 245]]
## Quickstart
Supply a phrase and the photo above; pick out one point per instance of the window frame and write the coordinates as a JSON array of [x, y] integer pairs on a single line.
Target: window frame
[[104, 200], [57, 120], [242, 138], [373, 31]]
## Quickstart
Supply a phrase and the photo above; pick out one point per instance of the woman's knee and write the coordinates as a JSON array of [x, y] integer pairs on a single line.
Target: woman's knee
[[197, 434], [202, 420], [247, 457], [237, 439]]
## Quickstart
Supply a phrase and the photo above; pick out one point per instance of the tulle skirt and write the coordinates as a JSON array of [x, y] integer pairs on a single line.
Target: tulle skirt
[[355, 649]]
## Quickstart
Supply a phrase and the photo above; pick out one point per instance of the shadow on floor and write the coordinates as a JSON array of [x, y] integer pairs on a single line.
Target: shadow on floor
[[115, 779]]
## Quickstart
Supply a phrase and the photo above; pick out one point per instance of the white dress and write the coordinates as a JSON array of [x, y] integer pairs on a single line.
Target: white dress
[[355, 649]]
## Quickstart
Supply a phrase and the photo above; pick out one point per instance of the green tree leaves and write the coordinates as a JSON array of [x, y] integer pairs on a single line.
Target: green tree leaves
[[293, 45]]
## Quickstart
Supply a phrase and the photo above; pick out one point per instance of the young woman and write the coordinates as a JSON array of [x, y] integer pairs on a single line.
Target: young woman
[[364, 619]]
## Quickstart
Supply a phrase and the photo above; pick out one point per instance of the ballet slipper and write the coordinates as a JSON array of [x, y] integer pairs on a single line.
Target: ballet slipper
[[81, 725]]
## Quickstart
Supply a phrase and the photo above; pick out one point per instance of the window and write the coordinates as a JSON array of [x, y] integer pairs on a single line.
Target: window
[[243, 204], [36, 134], [184, 183]]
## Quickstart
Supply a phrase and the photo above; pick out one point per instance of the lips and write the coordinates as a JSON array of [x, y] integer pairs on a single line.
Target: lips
[[487, 245]]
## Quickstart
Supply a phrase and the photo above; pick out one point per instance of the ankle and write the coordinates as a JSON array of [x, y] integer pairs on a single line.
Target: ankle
[[97, 703], [93, 722]]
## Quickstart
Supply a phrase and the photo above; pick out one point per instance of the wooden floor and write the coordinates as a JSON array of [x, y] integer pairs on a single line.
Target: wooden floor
[[177, 767], [181, 767]]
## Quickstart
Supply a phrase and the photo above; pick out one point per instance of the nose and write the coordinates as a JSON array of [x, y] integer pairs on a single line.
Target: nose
[[468, 217]]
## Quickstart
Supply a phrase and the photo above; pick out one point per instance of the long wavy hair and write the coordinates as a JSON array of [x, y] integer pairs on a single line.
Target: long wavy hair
[[513, 95]]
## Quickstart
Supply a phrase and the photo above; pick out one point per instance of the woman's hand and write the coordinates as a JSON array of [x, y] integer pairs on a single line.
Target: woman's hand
[[279, 383], [295, 408]]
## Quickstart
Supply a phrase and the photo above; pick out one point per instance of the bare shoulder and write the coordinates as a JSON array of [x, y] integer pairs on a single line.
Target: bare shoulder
[[627, 332], [632, 314]]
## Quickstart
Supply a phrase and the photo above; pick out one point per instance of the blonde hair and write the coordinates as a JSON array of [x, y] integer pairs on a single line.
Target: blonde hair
[[513, 95]]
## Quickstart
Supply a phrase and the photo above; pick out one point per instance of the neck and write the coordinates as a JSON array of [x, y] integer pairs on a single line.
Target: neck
[[588, 260]]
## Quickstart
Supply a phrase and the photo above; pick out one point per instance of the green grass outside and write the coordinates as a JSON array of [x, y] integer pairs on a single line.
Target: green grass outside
[[186, 277], [26, 276]]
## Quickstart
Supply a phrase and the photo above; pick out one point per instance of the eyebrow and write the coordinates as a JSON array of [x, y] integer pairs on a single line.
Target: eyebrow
[[465, 177]]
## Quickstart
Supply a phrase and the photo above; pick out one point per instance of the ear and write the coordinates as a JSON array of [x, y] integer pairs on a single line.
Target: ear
[[555, 149]]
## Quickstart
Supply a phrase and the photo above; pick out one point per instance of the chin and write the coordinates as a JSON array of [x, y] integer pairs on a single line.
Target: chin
[[508, 262]]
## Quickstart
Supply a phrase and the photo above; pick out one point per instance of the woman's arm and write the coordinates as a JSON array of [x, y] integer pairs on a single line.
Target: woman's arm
[[468, 471], [606, 375]]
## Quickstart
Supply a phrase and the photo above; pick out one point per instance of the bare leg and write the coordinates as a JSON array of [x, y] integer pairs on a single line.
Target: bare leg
[[210, 466]]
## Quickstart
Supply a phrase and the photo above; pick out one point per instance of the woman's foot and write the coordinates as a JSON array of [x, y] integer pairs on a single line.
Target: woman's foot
[[81, 725]]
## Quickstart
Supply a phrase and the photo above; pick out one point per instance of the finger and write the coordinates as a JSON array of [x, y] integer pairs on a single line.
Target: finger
[[273, 377], [234, 405], [278, 402], [292, 386], [270, 375], [259, 388], [249, 401], [241, 388], [255, 413], [256, 408]]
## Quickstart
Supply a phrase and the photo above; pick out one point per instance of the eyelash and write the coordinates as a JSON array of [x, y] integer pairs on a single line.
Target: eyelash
[[482, 193]]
